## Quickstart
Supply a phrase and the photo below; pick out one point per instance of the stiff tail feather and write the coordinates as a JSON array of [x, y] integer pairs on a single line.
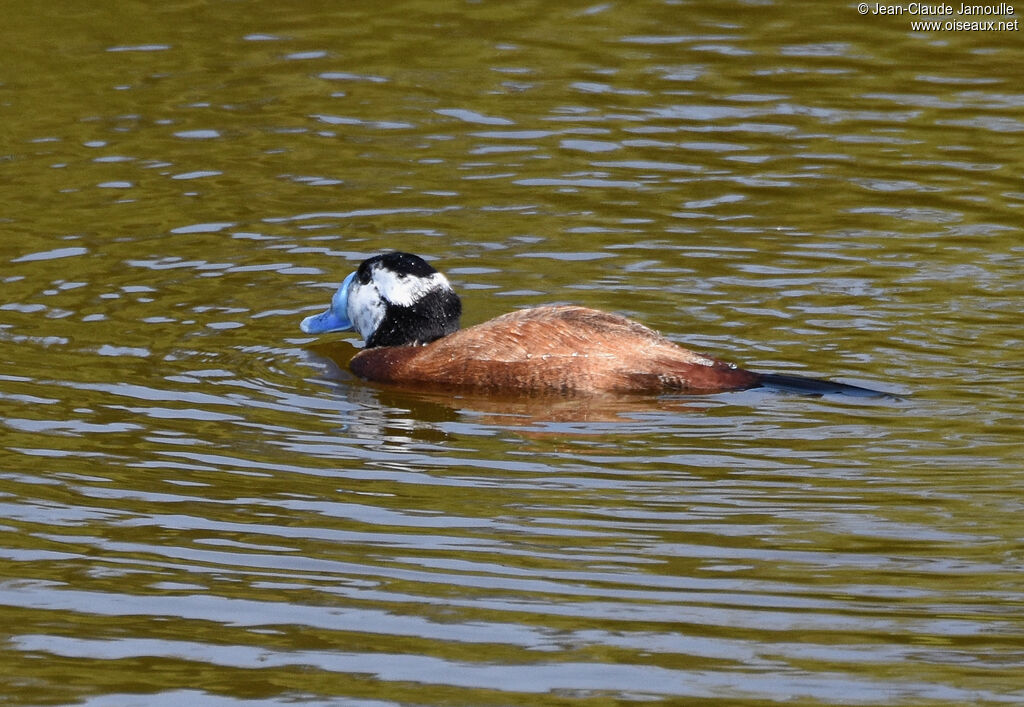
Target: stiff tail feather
[[816, 386]]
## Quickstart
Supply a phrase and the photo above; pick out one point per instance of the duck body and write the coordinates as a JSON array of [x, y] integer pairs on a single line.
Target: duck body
[[554, 348], [409, 316]]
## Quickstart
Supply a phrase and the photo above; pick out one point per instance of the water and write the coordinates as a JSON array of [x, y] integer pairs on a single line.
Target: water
[[199, 504]]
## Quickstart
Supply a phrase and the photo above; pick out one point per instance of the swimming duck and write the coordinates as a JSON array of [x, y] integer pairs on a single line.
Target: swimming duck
[[408, 314]]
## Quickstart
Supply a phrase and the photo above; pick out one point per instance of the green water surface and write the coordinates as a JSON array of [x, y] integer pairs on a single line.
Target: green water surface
[[199, 505]]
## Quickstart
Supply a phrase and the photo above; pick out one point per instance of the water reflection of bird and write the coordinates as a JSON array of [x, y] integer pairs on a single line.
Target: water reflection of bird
[[409, 316]]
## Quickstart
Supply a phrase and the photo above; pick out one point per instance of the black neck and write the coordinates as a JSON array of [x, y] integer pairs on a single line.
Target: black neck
[[435, 315]]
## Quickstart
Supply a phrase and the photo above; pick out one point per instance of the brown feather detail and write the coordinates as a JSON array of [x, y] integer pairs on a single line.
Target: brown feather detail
[[554, 348]]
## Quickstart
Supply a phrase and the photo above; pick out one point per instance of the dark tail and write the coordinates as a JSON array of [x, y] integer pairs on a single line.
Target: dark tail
[[816, 386]]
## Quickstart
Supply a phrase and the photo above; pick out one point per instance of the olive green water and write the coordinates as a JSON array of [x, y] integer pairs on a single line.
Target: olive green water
[[198, 505]]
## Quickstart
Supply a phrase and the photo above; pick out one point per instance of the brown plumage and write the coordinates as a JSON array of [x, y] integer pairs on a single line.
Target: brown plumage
[[554, 348]]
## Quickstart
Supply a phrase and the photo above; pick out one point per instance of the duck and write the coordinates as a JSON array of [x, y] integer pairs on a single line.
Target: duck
[[408, 315]]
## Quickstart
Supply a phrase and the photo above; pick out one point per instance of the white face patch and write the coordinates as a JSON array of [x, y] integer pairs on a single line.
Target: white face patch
[[406, 290], [365, 308]]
